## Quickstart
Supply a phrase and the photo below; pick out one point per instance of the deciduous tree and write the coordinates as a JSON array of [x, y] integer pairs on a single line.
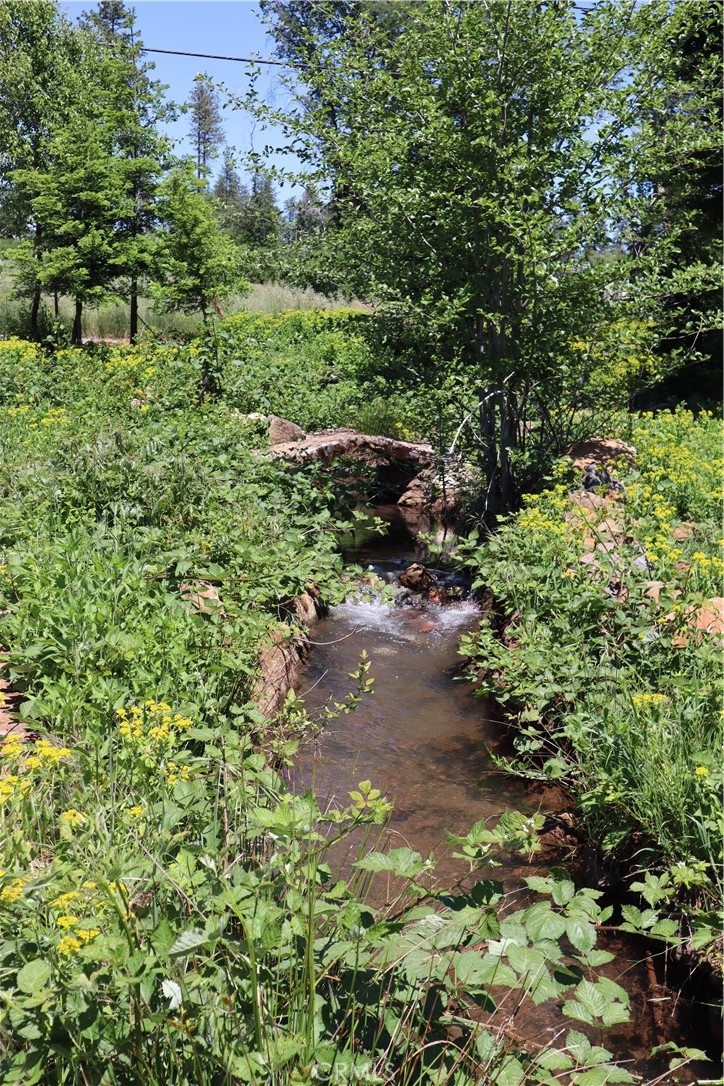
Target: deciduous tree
[[481, 158]]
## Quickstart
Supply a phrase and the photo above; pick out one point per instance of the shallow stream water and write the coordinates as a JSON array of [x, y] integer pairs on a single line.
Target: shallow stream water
[[425, 740]]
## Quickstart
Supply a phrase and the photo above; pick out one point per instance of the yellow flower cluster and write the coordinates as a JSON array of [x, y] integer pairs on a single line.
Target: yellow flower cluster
[[14, 889], [649, 699], [55, 417], [12, 786], [64, 900], [71, 817], [22, 350], [70, 944], [129, 358], [151, 729], [175, 773], [36, 755], [706, 562]]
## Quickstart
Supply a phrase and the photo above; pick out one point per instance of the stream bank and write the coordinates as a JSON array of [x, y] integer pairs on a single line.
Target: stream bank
[[427, 742]]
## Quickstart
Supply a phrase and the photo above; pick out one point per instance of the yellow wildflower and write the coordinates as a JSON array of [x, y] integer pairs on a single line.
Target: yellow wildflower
[[68, 945], [66, 922], [701, 771], [13, 891], [87, 934], [63, 900], [71, 817]]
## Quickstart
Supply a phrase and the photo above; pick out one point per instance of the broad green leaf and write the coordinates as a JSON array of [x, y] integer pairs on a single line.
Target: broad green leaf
[[33, 975], [398, 861], [542, 923], [188, 942], [552, 1059], [574, 1009], [581, 934], [578, 1045]]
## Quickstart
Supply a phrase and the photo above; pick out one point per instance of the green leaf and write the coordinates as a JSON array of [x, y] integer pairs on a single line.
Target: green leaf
[[599, 1076], [574, 1009], [578, 1045], [33, 975], [552, 1059], [581, 934], [187, 942], [398, 861], [614, 1013], [542, 923]]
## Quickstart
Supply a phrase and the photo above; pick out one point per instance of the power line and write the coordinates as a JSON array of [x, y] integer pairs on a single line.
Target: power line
[[215, 56]]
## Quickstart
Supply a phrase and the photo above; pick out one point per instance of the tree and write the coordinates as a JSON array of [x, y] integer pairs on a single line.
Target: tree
[[197, 265], [232, 195], [207, 130], [305, 215], [39, 55], [83, 167], [260, 220], [480, 157], [78, 199], [135, 105]]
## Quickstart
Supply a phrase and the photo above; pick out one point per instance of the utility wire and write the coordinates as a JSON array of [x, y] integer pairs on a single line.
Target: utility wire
[[215, 56]]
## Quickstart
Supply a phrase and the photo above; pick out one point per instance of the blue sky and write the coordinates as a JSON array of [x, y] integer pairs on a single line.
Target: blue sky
[[228, 27]]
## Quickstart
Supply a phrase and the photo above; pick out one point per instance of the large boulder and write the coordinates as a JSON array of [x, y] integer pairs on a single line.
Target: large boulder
[[282, 430]]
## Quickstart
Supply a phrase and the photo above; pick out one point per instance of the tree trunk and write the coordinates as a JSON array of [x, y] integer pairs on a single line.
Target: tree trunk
[[56, 305], [134, 310], [35, 306], [76, 337], [34, 312], [486, 398]]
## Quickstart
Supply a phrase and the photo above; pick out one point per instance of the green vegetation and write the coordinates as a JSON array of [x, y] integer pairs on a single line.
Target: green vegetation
[[498, 173], [168, 911], [522, 196], [611, 687]]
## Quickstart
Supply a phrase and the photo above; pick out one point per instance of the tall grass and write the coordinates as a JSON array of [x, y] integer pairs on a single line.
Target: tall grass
[[110, 320]]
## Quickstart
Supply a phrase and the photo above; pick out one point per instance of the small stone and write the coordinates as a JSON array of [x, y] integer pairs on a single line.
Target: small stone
[[683, 531], [417, 578]]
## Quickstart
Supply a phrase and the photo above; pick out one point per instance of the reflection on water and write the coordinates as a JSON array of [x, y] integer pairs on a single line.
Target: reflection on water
[[420, 737]]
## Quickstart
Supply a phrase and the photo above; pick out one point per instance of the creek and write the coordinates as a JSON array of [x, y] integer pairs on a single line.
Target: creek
[[427, 742]]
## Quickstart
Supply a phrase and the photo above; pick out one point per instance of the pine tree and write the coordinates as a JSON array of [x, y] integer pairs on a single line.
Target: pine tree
[[262, 220], [197, 265], [207, 130], [232, 195]]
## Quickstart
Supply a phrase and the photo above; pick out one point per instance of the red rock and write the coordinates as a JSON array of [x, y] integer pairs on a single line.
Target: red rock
[[601, 451]]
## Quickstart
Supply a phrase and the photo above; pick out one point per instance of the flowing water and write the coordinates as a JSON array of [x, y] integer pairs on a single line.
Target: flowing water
[[426, 741]]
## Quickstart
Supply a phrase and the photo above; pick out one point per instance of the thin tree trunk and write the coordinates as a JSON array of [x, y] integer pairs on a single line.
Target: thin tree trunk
[[134, 310], [35, 305], [56, 305], [76, 337], [507, 443], [34, 312]]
